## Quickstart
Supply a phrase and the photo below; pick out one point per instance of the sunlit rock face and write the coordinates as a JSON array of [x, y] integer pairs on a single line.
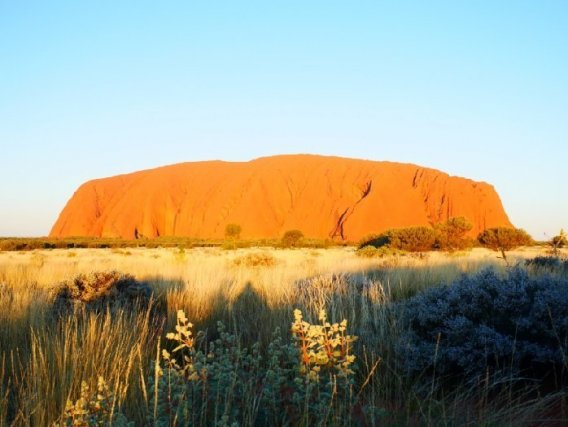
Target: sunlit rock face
[[324, 197]]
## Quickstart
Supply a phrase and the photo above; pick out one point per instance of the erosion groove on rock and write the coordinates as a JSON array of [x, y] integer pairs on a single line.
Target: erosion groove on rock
[[339, 230]]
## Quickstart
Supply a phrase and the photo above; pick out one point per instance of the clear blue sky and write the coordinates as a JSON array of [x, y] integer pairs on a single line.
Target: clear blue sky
[[92, 89]]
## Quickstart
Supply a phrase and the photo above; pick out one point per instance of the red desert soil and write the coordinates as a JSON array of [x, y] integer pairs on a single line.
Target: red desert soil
[[324, 197]]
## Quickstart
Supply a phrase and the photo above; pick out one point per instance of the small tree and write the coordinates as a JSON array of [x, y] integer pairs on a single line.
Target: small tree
[[558, 242], [504, 239], [451, 235], [233, 231], [292, 238]]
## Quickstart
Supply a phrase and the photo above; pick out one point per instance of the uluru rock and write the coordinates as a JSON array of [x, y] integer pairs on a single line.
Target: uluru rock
[[324, 197]]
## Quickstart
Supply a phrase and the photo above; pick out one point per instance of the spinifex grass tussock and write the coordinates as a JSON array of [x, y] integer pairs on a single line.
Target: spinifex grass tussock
[[101, 289], [52, 365], [255, 259]]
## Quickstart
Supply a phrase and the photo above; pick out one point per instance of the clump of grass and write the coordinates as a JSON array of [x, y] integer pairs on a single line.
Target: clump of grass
[[58, 357], [121, 252], [370, 251], [255, 259]]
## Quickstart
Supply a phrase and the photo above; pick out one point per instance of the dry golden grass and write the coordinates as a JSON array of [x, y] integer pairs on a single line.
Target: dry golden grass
[[254, 291], [211, 267], [196, 276]]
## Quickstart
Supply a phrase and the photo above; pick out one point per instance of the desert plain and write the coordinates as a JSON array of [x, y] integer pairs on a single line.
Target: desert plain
[[167, 360]]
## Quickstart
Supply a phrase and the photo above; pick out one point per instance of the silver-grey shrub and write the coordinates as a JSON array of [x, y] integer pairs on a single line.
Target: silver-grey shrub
[[488, 324]]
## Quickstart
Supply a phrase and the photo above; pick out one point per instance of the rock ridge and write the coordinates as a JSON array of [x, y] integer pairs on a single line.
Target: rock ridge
[[325, 197]]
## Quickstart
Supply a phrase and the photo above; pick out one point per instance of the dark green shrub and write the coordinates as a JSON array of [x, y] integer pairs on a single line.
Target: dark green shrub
[[504, 239], [451, 235], [487, 324], [374, 240], [292, 238], [411, 239]]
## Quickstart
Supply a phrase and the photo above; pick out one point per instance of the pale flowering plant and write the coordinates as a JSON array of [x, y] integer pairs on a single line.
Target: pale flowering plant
[[301, 379], [95, 407], [183, 337], [323, 346]]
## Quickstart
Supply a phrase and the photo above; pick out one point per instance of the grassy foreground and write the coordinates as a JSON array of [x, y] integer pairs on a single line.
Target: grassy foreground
[[53, 365]]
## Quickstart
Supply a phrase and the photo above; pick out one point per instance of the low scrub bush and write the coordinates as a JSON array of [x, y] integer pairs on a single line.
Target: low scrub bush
[[292, 238], [411, 239], [233, 231], [99, 289], [489, 325]]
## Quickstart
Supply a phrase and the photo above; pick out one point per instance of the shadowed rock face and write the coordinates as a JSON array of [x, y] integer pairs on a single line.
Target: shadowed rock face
[[325, 197]]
